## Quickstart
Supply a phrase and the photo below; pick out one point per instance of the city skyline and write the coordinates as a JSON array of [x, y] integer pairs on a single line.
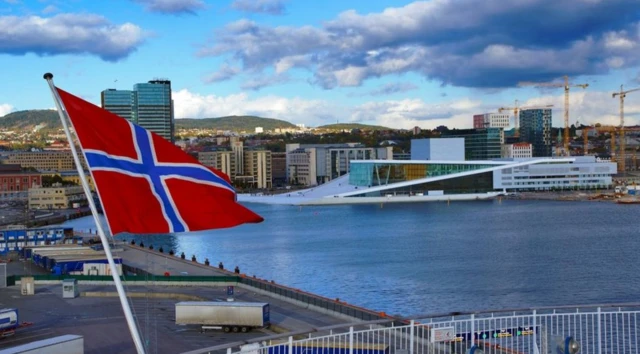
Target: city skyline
[[398, 64]]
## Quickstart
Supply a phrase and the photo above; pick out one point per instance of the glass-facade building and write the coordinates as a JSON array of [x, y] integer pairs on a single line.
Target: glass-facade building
[[149, 105], [374, 173], [120, 102], [535, 128], [480, 144]]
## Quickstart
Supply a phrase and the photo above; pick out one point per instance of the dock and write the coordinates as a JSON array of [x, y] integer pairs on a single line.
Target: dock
[[154, 282]]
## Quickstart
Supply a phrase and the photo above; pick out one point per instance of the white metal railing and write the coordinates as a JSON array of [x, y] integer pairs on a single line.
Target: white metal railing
[[598, 329]]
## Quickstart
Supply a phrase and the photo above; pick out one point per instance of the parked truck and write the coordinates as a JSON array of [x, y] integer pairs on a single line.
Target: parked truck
[[229, 316], [8, 319]]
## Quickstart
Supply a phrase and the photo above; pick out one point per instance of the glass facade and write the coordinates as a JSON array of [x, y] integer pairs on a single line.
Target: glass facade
[[120, 102], [480, 144], [149, 105], [478, 183], [370, 174], [535, 128], [154, 107]]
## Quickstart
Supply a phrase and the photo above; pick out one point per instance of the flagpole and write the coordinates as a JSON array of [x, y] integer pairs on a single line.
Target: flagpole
[[62, 112]]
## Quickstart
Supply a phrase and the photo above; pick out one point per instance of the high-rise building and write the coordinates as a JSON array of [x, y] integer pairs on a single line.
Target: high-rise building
[[154, 107], [149, 105], [120, 102], [535, 128]]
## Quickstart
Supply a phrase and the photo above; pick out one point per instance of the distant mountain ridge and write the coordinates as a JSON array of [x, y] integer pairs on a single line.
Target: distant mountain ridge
[[233, 123], [23, 120], [27, 120], [350, 126]]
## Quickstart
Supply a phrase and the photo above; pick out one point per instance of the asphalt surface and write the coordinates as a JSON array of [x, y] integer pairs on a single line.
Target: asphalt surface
[[100, 320]]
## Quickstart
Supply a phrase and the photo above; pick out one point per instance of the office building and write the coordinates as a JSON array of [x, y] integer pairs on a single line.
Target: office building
[[313, 164], [535, 128], [220, 159], [15, 183], [517, 150], [120, 102], [279, 168], [148, 105], [257, 164], [440, 149], [480, 144], [43, 160], [57, 197], [491, 120]]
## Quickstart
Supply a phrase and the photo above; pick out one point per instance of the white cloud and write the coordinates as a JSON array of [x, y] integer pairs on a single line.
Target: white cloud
[[68, 34], [468, 43], [295, 110], [5, 109], [173, 6], [271, 7], [50, 9], [589, 107]]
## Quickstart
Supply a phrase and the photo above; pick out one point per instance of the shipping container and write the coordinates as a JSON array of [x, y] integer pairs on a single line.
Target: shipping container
[[228, 316]]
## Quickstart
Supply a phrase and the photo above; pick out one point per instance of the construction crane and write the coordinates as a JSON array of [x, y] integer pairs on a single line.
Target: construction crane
[[623, 142], [566, 86], [620, 157], [516, 108]]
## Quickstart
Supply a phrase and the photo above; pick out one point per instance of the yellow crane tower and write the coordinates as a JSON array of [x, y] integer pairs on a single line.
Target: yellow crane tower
[[615, 157], [566, 86], [623, 142], [517, 109]]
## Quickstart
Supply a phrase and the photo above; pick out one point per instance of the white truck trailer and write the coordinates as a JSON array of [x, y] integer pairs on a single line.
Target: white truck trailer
[[229, 316]]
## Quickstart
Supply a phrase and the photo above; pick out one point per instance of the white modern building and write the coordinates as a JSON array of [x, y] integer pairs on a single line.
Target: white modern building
[[441, 149], [491, 120], [517, 150], [389, 181], [584, 172]]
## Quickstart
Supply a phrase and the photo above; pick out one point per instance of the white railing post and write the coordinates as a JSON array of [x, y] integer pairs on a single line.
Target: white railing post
[[350, 340], [535, 335], [473, 329], [290, 344], [229, 350], [411, 333], [599, 331]]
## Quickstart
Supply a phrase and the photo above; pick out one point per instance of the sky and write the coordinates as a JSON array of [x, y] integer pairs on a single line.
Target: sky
[[393, 63]]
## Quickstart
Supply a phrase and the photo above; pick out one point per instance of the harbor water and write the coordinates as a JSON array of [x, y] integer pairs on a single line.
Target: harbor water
[[411, 259]]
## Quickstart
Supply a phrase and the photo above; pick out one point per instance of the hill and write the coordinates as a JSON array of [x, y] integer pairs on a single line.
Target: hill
[[23, 120], [26, 120], [350, 126], [234, 123]]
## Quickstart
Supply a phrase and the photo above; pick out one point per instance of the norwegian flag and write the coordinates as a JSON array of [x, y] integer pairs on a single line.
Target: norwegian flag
[[145, 183]]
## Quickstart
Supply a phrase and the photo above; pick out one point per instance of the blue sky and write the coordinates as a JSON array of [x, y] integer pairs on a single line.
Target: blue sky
[[394, 63]]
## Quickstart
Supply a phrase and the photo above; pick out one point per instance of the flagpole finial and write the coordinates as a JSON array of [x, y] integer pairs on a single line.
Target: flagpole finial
[[48, 76]]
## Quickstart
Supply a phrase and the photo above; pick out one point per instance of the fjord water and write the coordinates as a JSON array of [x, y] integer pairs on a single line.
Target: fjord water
[[422, 258]]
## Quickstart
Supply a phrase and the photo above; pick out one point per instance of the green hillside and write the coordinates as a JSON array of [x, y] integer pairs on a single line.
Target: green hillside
[[24, 120], [28, 119], [233, 123], [349, 126]]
